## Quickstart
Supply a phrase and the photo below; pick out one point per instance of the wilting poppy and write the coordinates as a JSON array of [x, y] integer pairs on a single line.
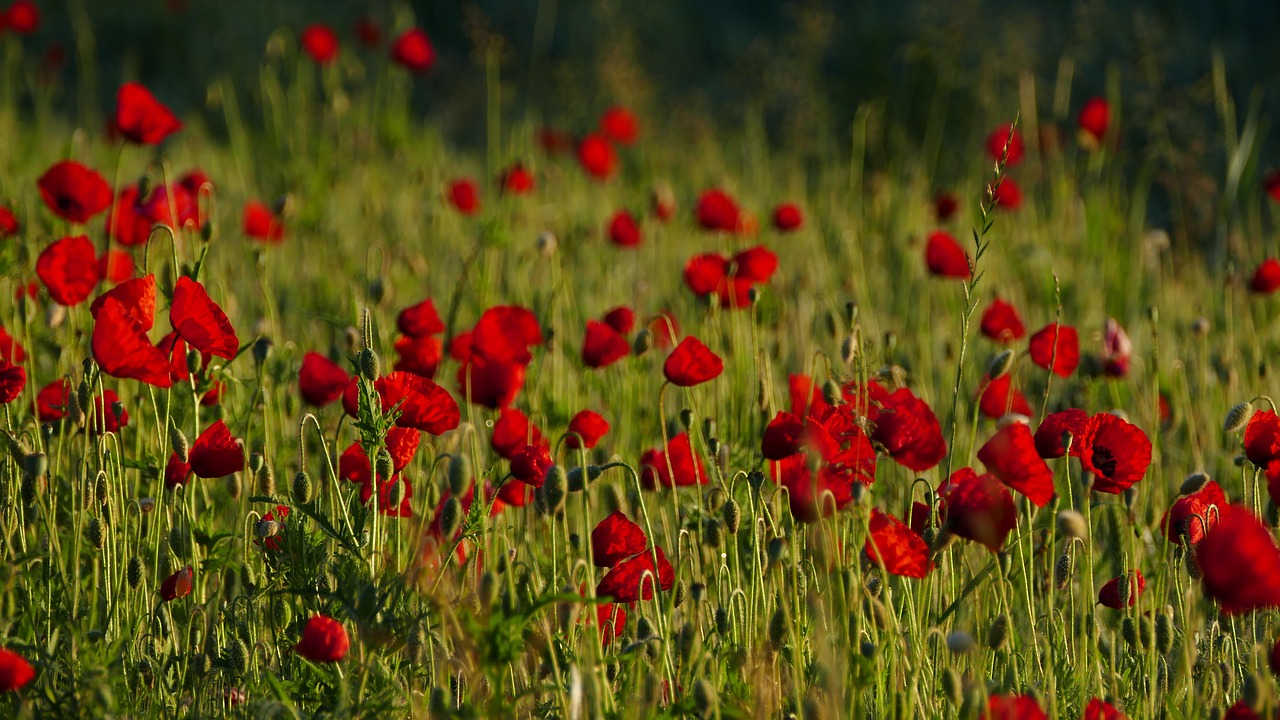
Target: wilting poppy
[[8, 223], [1049, 434], [787, 217], [944, 256], [141, 118], [1117, 350], [321, 380], [323, 640], [730, 278], [513, 431], [620, 125], [1098, 709], [121, 348], [1011, 456], [1095, 116], [530, 464], [1115, 451], [464, 194], [419, 320], [1001, 322], [692, 363], [586, 428], [200, 322], [413, 50], [1056, 348], [624, 230], [516, 180], [623, 583], [1266, 278], [615, 539], [1193, 515], [1115, 595], [74, 192], [717, 210], [621, 318], [891, 542], [597, 157], [678, 467], [1239, 562], [177, 585], [69, 270], [1014, 707], [15, 671], [320, 42], [978, 508], [997, 140], [260, 223], [216, 453]]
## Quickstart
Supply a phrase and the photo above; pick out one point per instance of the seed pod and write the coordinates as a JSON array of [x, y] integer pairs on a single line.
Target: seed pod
[[133, 572], [998, 632], [722, 621], [1164, 633], [1237, 416], [679, 597], [370, 364], [1000, 364], [237, 656], [554, 489], [395, 494], [849, 349], [704, 698], [459, 475], [301, 489], [951, 687], [832, 393], [732, 515], [451, 516], [97, 534]]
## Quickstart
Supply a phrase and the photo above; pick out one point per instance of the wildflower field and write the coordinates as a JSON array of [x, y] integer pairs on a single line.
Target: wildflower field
[[355, 377]]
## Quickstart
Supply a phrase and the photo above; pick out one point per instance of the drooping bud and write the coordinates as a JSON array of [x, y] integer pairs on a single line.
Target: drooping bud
[[998, 632], [1000, 364], [133, 572], [642, 343], [301, 489], [1194, 482], [179, 444], [1237, 416], [451, 516]]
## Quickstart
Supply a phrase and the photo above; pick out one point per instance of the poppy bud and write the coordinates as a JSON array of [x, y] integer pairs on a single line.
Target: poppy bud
[[194, 361], [755, 478], [951, 687], [416, 642], [395, 494], [722, 621], [1067, 439], [96, 533], [775, 549], [459, 475], [554, 488], [450, 516], [960, 642], [377, 290], [301, 490], [1200, 326], [998, 632], [1071, 524], [385, 465], [1254, 693], [643, 343], [868, 650], [711, 535], [35, 465], [778, 629], [1190, 563], [859, 493], [133, 571], [713, 446], [1164, 632], [831, 393], [261, 350], [488, 589], [686, 418], [1130, 497], [1237, 416], [234, 485], [237, 656], [546, 243], [179, 444], [1000, 365], [1194, 482], [849, 349], [267, 529], [369, 364], [679, 595], [283, 205], [732, 516], [704, 698]]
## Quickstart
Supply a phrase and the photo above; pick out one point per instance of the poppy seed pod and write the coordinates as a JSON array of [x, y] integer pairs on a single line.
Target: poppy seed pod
[[97, 535], [1000, 364], [849, 349], [998, 632], [1237, 416], [732, 516], [133, 571], [459, 475], [554, 488], [704, 698]]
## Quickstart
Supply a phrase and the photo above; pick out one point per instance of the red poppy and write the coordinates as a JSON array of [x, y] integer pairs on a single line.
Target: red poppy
[[978, 508], [996, 144], [1266, 279], [665, 329], [624, 230], [13, 378], [678, 467], [200, 322], [516, 180], [1241, 711], [23, 17], [401, 444], [260, 223], [1191, 516], [615, 539], [138, 296], [1115, 451], [105, 419], [847, 459], [623, 582], [368, 32], [597, 157], [1110, 593], [891, 542], [1001, 322], [423, 405], [999, 397], [1057, 348], [413, 50], [419, 320], [692, 363], [216, 453], [1271, 183], [586, 428], [275, 542], [131, 219], [420, 356], [945, 206], [176, 472], [732, 278], [15, 671], [603, 345], [10, 349], [907, 429], [1117, 350], [1014, 707], [491, 383], [53, 401], [787, 217], [1049, 434], [516, 494], [141, 118], [620, 125], [116, 266], [8, 223], [1008, 195], [783, 437], [324, 640], [612, 619], [74, 192], [321, 380], [121, 347], [530, 464], [506, 332], [1094, 118], [1101, 710], [69, 269], [1262, 438], [465, 196], [621, 318], [320, 42], [1011, 456], [1240, 562], [177, 585], [717, 210], [945, 258], [512, 432]]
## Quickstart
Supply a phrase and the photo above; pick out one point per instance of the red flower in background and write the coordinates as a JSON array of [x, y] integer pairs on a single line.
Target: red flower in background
[[321, 380], [423, 405], [1262, 438], [464, 194], [787, 217], [121, 348], [368, 32], [15, 671], [1095, 116], [1267, 277], [1191, 516], [692, 363], [216, 453], [1056, 348], [10, 349], [116, 266], [1115, 451], [620, 125], [623, 582], [685, 469], [420, 320], [260, 223], [1001, 322], [906, 427], [1007, 195], [1117, 350], [513, 431], [69, 270], [999, 397], [891, 542], [105, 419], [1011, 456], [945, 206], [597, 157], [516, 180], [176, 472], [586, 428], [23, 17], [530, 464], [320, 42], [603, 345], [12, 380], [1049, 434], [944, 256], [74, 192], [615, 539], [200, 322], [1110, 593], [8, 223], [783, 437], [141, 118], [323, 640], [624, 230], [621, 318], [1014, 707], [732, 278], [996, 143], [413, 50], [1240, 562], [847, 459], [420, 355], [978, 508], [177, 585], [1100, 710], [717, 210], [1271, 183]]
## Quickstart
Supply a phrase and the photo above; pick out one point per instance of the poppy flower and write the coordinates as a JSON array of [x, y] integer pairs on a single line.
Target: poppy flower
[[846, 459], [1191, 516], [1049, 434], [260, 223], [1240, 562], [1271, 183], [200, 322], [464, 194], [783, 437], [121, 348], [53, 401], [997, 140], [275, 542], [1241, 711], [998, 398], [516, 180], [216, 453], [944, 256], [603, 345], [978, 508], [1266, 279], [891, 542], [15, 671], [419, 320], [105, 419], [906, 427], [1110, 593], [1007, 195], [1014, 707], [623, 581], [1098, 709], [730, 278], [612, 619], [620, 125], [621, 318], [513, 431], [320, 42], [8, 223], [586, 428], [13, 378], [597, 157], [506, 332], [1056, 348], [1115, 451], [717, 210], [176, 472], [1095, 116], [423, 405], [131, 220], [116, 266], [516, 494], [1011, 456], [530, 464], [615, 539], [1001, 322], [74, 192], [10, 349], [420, 356], [413, 50], [177, 585], [624, 230], [1262, 438], [23, 17], [692, 363], [787, 217], [69, 270], [321, 380], [945, 206], [141, 118], [491, 383], [665, 329], [1117, 350], [324, 640], [368, 32], [678, 467]]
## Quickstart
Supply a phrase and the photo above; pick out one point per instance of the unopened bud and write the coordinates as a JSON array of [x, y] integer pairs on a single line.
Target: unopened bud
[[1237, 416], [450, 517], [370, 365], [301, 489], [459, 475], [643, 343], [1000, 365], [1194, 482]]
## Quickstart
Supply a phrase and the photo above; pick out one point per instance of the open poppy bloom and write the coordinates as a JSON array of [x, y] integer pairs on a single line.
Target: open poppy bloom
[[730, 278], [1007, 195], [1239, 562], [978, 508], [844, 458], [621, 318], [621, 545], [13, 378], [530, 464], [904, 426], [677, 467], [419, 355], [513, 431], [74, 192], [692, 363], [198, 320], [787, 217], [615, 539], [1099, 709], [1191, 516], [22, 17], [945, 206], [1056, 348], [216, 453], [321, 380], [620, 125], [717, 210], [320, 42], [464, 194], [1266, 279], [177, 585], [413, 50], [260, 223], [176, 472], [141, 118], [420, 320], [603, 345], [1115, 595], [69, 270], [494, 354], [354, 466], [586, 428], [997, 140], [1115, 451], [896, 546], [998, 398], [1262, 438], [624, 230], [597, 157], [120, 345], [116, 266], [516, 180], [1014, 707], [945, 258], [1001, 322], [10, 349], [423, 405], [1011, 456], [15, 671], [1095, 116], [1049, 435], [323, 640]]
